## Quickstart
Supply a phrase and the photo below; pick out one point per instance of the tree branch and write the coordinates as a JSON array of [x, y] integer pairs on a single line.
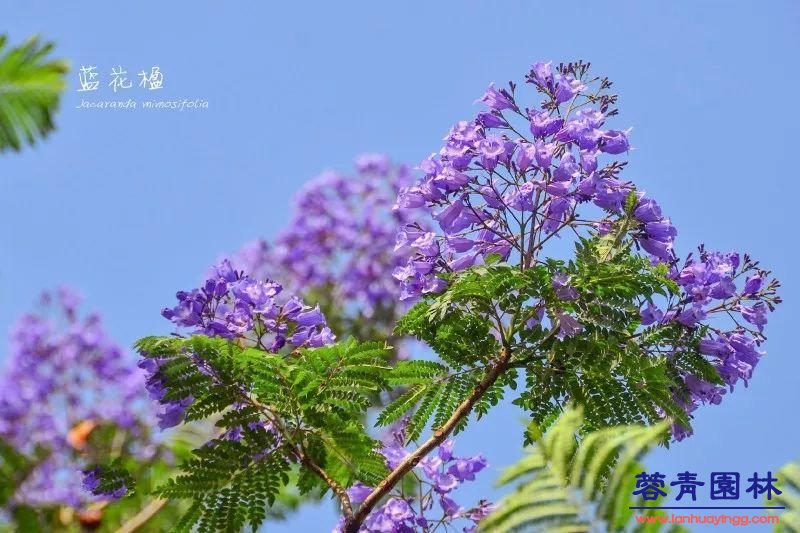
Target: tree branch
[[148, 512], [304, 458], [341, 493], [353, 524]]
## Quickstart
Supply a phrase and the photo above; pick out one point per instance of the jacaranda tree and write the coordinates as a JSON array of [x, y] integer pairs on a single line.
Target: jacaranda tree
[[344, 268], [537, 269]]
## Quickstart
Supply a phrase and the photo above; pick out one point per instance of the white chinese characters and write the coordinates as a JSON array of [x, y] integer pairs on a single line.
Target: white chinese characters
[[87, 76], [152, 81], [118, 80]]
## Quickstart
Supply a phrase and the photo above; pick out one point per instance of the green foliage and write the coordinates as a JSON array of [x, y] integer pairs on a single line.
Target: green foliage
[[113, 477], [432, 388], [14, 467], [571, 481], [30, 88], [105, 442], [619, 370], [228, 485], [463, 326], [298, 416], [789, 482], [292, 415]]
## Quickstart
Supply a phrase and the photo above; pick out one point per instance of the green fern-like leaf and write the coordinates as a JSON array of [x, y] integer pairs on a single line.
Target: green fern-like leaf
[[14, 467], [30, 89], [403, 403], [569, 480], [789, 478], [229, 484], [284, 416]]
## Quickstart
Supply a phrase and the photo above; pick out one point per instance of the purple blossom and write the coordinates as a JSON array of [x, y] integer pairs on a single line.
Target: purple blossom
[[542, 74], [446, 450], [449, 506], [657, 234], [490, 120], [91, 479], [310, 318], [568, 326], [442, 472], [233, 305], [567, 88], [444, 483], [486, 179], [91, 484], [651, 314], [398, 510], [64, 377], [465, 468], [497, 100], [659, 249], [564, 291], [543, 123], [662, 231], [589, 161], [358, 492], [691, 315], [173, 413], [710, 297], [647, 210], [394, 454], [755, 314], [753, 284], [614, 142]]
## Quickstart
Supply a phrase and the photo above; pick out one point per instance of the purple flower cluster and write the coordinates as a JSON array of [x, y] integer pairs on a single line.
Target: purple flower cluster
[[233, 305], [513, 176], [173, 411], [438, 476], [338, 248], [91, 484], [340, 237], [731, 297], [64, 377], [656, 234]]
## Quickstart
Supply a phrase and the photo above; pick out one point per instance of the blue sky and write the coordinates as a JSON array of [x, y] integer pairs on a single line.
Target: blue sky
[[131, 205]]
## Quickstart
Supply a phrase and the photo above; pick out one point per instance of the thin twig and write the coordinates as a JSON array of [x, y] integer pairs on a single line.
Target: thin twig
[[141, 518], [341, 493]]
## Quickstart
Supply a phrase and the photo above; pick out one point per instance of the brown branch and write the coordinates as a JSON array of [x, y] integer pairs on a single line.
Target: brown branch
[[303, 457], [341, 493], [353, 524], [148, 512]]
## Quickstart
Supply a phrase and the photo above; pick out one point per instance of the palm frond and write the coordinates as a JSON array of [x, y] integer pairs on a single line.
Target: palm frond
[[789, 478], [30, 89], [573, 482]]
